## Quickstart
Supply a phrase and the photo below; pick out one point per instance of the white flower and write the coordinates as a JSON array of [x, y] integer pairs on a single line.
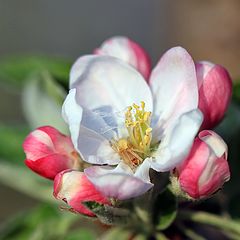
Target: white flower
[[116, 118]]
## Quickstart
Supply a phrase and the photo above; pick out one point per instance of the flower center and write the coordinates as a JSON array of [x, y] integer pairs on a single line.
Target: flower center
[[137, 146]]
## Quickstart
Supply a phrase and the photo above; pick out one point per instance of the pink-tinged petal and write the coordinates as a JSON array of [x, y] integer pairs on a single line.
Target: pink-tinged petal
[[206, 168], [90, 133], [128, 51], [38, 144], [177, 141], [191, 171], [73, 187], [49, 152], [174, 86], [118, 183], [215, 91], [49, 166], [109, 85]]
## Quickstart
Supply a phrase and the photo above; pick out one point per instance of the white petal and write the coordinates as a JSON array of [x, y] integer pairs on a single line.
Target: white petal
[[143, 170], [96, 149], [78, 68], [174, 86], [101, 124], [89, 132], [118, 183], [72, 114], [215, 142], [177, 142], [107, 83]]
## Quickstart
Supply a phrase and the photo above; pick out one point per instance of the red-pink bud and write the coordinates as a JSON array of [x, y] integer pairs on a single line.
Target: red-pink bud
[[128, 51], [73, 187], [49, 152], [206, 168], [215, 90]]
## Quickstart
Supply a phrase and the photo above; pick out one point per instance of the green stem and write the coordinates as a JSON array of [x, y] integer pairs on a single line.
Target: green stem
[[211, 219]]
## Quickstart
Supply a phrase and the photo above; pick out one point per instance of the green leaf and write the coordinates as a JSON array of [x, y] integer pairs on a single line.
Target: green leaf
[[107, 214], [11, 141], [164, 210], [22, 179], [42, 102], [16, 70]]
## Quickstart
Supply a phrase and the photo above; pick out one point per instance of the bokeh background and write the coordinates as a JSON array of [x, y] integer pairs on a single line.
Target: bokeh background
[[208, 29]]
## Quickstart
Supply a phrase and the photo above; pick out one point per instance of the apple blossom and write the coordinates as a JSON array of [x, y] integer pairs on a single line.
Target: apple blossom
[[74, 188], [128, 51], [215, 90], [116, 118], [49, 152], [206, 168]]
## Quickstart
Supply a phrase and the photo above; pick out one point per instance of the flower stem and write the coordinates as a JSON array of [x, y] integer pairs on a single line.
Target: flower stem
[[211, 219]]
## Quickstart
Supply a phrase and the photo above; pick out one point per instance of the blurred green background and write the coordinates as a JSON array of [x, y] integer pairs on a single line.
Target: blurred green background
[[41, 39]]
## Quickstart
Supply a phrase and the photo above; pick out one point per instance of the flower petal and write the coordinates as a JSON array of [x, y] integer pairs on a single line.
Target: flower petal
[[78, 68], [96, 149], [128, 51], [215, 90], [108, 84], [142, 171], [90, 133], [74, 188], [51, 165], [177, 142], [72, 114], [49, 152], [214, 142], [205, 169], [119, 183], [174, 86]]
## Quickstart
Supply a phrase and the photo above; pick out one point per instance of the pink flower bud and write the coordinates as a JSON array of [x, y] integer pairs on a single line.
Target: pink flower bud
[[128, 51], [73, 187], [206, 168], [49, 152], [215, 90]]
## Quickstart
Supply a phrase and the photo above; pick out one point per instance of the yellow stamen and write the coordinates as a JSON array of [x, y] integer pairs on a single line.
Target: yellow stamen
[[134, 149]]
